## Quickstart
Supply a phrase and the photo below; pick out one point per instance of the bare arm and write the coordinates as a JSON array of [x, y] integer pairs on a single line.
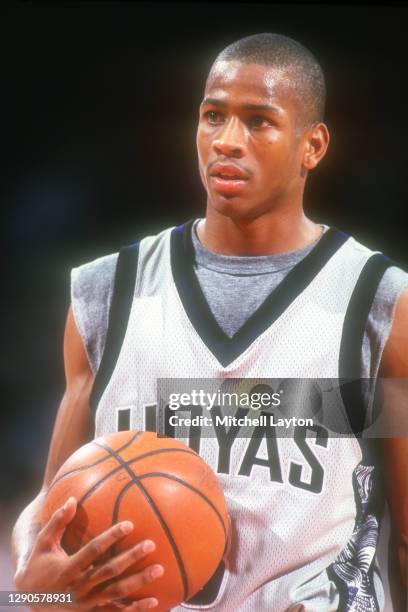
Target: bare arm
[[41, 563], [71, 430], [394, 364]]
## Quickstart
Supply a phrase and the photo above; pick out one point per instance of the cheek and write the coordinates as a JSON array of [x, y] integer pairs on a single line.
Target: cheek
[[202, 146], [202, 149], [272, 147], [280, 152], [272, 155], [202, 175]]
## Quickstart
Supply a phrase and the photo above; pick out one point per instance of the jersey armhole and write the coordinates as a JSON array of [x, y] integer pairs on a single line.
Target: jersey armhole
[[121, 303], [351, 347], [79, 322], [390, 319]]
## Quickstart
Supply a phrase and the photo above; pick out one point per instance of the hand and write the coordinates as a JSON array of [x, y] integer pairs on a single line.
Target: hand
[[50, 569]]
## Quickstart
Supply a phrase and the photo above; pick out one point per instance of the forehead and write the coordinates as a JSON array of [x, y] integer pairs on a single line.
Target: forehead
[[238, 83]]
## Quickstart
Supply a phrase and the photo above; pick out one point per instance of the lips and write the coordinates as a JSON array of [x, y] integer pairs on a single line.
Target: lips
[[229, 172], [228, 179]]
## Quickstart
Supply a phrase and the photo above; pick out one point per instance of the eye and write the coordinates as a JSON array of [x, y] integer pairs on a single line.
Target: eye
[[213, 116], [257, 121]]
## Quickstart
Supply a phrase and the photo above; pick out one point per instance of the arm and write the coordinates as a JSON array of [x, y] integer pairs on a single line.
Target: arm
[[71, 430], [41, 563], [394, 364]]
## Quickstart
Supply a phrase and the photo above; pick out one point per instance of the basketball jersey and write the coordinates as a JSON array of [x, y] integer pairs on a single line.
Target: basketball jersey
[[304, 508]]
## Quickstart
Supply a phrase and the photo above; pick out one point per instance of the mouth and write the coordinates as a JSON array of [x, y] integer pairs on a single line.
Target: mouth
[[228, 179], [227, 185], [229, 176]]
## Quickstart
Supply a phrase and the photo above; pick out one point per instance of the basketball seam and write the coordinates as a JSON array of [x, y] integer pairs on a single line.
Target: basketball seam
[[133, 460], [84, 467], [116, 509], [89, 465], [173, 544], [189, 486]]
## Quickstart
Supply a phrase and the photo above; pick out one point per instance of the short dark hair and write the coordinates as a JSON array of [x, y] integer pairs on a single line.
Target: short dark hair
[[280, 51]]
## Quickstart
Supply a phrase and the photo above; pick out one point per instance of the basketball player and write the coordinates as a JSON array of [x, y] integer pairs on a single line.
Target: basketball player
[[255, 289]]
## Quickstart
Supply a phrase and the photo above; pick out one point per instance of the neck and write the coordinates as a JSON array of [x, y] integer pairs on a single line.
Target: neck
[[271, 233]]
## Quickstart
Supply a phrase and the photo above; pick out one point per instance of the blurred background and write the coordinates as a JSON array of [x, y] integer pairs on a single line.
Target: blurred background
[[99, 106]]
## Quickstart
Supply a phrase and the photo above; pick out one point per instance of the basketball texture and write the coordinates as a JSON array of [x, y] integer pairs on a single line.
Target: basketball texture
[[170, 494]]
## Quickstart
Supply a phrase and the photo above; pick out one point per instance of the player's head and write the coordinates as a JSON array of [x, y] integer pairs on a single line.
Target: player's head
[[262, 113], [293, 60]]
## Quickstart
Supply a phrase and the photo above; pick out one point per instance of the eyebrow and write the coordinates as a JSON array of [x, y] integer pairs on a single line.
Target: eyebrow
[[249, 107]]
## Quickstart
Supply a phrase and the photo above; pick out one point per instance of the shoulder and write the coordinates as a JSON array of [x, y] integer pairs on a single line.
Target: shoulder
[[389, 310], [391, 287], [383, 285], [92, 286], [387, 329], [391, 284], [94, 275], [393, 278], [394, 361], [94, 279], [91, 292]]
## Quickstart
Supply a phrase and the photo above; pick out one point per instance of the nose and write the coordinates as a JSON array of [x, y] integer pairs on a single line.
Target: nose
[[230, 139]]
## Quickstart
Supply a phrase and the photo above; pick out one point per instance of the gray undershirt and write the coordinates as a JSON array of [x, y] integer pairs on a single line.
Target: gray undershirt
[[234, 287]]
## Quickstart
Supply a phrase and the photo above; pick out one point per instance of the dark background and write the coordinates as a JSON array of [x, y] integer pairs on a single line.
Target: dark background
[[99, 106]]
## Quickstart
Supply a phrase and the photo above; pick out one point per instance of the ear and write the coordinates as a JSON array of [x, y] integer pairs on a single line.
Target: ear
[[316, 143]]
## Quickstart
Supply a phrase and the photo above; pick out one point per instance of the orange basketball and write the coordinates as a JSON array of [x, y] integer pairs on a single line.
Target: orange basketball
[[169, 493]]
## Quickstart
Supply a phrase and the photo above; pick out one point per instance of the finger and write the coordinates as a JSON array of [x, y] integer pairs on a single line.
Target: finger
[[124, 587], [53, 530], [97, 547], [115, 566], [82, 578]]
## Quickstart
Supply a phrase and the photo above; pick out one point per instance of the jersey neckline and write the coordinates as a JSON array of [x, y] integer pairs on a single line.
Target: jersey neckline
[[226, 349], [247, 265]]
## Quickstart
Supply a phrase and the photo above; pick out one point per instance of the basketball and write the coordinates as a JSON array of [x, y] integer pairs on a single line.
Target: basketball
[[169, 493]]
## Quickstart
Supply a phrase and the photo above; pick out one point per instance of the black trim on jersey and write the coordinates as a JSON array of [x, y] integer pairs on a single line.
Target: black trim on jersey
[[224, 348], [122, 298], [351, 346], [350, 357]]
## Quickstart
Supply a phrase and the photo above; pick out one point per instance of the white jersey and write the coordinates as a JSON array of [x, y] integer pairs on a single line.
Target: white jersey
[[304, 524]]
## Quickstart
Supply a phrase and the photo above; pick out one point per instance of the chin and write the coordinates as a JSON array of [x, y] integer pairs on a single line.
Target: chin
[[234, 207]]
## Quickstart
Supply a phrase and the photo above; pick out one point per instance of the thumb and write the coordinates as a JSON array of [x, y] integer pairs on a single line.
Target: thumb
[[53, 531]]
